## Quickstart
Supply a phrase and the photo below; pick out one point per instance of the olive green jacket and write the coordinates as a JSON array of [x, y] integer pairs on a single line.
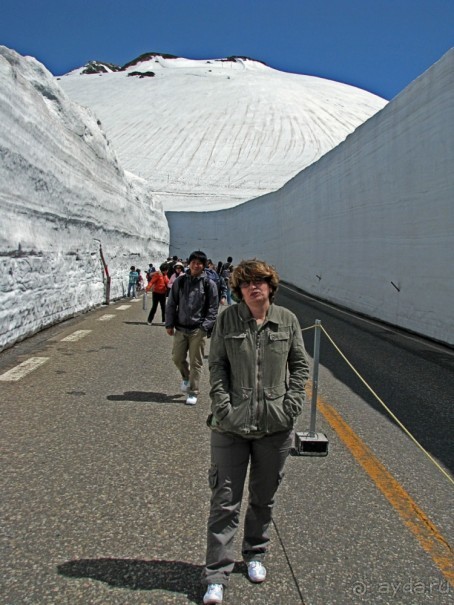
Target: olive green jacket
[[257, 373]]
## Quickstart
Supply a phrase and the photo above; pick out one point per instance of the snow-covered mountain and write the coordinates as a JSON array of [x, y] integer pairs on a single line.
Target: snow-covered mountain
[[210, 134], [62, 194]]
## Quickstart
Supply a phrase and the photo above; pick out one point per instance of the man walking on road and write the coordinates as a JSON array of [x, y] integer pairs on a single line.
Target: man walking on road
[[191, 311]]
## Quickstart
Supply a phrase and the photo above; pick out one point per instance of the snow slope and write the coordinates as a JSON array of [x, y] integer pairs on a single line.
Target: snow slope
[[62, 194], [209, 134]]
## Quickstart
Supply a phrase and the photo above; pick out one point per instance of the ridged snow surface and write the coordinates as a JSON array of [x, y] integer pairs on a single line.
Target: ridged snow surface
[[210, 134], [62, 194]]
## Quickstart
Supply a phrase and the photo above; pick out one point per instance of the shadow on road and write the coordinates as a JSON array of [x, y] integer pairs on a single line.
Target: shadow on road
[[147, 396], [133, 574]]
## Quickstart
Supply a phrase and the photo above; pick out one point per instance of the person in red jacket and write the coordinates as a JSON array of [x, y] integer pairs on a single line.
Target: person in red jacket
[[158, 285]]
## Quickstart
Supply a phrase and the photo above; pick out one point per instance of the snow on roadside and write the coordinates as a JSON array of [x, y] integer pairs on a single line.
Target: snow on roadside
[[63, 194]]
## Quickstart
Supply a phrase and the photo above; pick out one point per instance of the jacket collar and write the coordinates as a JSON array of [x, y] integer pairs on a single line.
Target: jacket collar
[[199, 277], [245, 315]]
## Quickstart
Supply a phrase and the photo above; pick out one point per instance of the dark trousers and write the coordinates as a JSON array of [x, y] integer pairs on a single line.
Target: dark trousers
[[158, 299], [230, 458]]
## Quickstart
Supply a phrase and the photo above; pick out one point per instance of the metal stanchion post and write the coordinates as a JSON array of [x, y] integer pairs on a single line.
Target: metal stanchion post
[[144, 300], [311, 443], [317, 330]]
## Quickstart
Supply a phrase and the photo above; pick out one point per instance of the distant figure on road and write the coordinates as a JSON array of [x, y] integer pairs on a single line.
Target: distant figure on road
[[158, 285], [139, 280], [218, 280], [178, 269], [191, 311], [133, 277], [151, 269], [258, 369], [171, 262], [226, 271]]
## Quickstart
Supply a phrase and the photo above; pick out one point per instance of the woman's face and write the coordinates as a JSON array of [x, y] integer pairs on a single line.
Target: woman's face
[[257, 291]]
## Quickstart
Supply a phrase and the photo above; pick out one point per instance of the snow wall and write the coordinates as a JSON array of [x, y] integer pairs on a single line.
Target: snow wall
[[369, 226], [62, 196]]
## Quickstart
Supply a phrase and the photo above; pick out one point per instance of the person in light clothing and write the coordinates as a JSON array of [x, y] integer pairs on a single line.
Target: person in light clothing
[[258, 369], [132, 282], [178, 269]]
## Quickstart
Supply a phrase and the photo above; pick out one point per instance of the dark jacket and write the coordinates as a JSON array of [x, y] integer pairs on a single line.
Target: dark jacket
[[257, 374], [219, 281], [192, 304]]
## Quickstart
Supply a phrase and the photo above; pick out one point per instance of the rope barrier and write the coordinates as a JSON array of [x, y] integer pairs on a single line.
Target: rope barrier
[[382, 403], [309, 328]]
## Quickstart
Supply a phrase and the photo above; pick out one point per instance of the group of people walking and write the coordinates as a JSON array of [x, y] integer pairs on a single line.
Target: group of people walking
[[258, 369], [160, 282]]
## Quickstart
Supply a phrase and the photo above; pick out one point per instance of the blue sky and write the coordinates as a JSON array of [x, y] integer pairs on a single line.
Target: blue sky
[[378, 45]]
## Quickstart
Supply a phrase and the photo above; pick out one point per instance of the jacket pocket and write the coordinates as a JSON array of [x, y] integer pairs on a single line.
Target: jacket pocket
[[236, 342], [278, 341], [238, 418], [276, 418]]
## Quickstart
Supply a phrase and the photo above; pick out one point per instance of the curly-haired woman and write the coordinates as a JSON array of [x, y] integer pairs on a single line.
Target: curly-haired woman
[[258, 369]]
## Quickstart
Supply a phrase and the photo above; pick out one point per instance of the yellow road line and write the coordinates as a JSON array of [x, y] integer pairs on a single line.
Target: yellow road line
[[413, 517]]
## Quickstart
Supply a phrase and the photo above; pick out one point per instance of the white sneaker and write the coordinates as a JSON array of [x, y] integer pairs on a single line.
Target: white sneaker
[[256, 571], [184, 386], [214, 594], [192, 399]]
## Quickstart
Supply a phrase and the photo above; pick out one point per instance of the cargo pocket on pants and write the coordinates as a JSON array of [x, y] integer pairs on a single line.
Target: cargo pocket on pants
[[280, 477], [213, 476]]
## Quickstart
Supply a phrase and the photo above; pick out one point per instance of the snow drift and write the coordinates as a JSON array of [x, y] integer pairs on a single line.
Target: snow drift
[[63, 193]]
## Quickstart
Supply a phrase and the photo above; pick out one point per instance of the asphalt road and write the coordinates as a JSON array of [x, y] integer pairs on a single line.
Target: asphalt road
[[104, 493]]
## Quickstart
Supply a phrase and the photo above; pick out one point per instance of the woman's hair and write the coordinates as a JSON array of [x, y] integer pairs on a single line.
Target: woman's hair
[[251, 269]]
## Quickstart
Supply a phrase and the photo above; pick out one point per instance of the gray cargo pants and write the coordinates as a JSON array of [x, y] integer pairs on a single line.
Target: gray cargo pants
[[230, 458]]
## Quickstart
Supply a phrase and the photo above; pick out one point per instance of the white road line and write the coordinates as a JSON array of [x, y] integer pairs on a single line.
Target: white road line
[[23, 369], [106, 317], [76, 336], [123, 307]]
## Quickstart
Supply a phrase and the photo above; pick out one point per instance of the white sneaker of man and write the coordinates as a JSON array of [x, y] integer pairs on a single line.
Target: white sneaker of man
[[256, 571], [214, 594], [191, 399], [184, 387]]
